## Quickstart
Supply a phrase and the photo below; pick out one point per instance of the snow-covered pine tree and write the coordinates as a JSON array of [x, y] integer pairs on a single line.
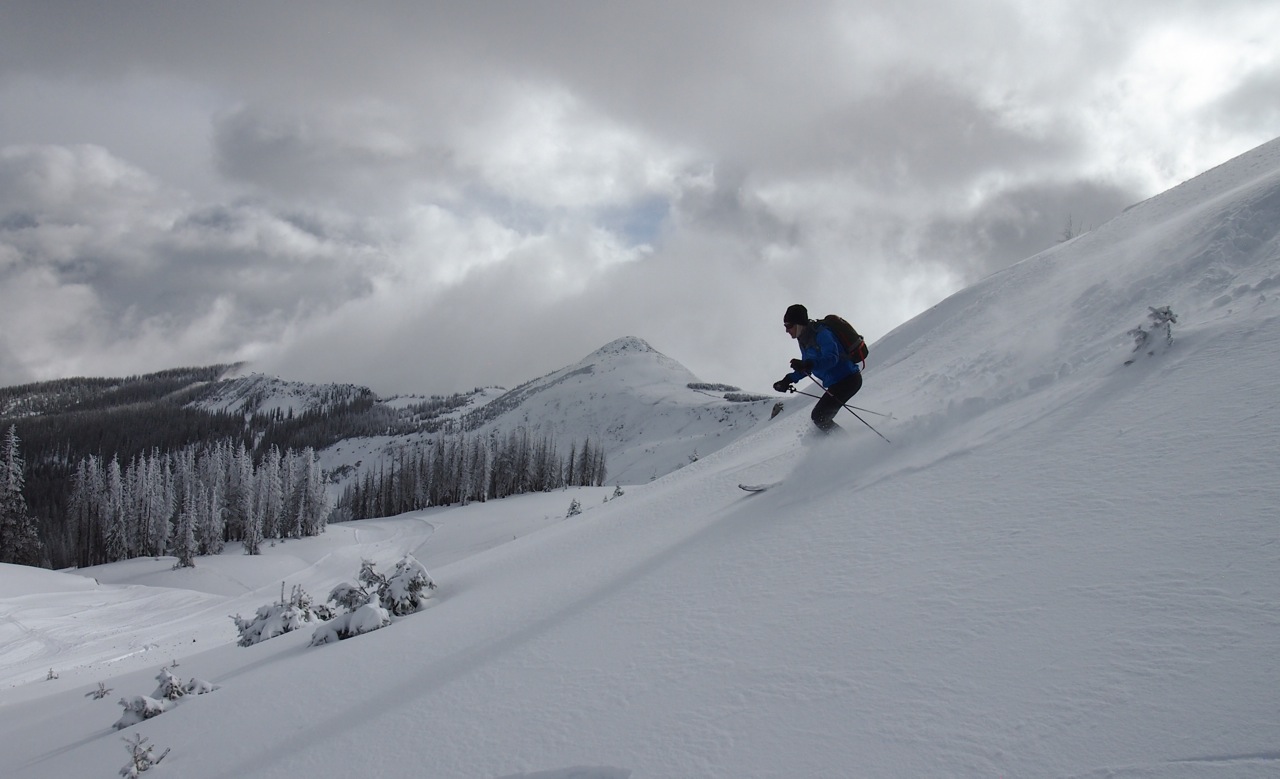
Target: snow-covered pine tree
[[546, 466], [481, 466], [271, 491], [464, 475], [19, 538], [138, 481], [311, 507], [237, 480], [296, 497], [571, 465], [185, 546], [84, 511], [131, 500], [165, 507], [401, 593], [320, 506], [601, 469], [211, 528], [250, 516], [116, 529], [154, 504]]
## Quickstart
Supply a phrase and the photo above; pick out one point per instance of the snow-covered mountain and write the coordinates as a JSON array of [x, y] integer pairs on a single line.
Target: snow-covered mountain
[[651, 414], [1064, 565]]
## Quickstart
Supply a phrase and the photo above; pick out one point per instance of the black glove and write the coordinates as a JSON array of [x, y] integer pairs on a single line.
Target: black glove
[[804, 366], [782, 385]]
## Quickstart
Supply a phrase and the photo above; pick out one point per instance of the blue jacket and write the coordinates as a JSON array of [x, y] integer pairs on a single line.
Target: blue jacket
[[819, 346]]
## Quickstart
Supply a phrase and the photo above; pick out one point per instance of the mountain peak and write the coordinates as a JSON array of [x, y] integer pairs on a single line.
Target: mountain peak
[[628, 343]]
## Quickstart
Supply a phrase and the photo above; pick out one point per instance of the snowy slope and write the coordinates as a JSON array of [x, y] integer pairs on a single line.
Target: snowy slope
[[1064, 565]]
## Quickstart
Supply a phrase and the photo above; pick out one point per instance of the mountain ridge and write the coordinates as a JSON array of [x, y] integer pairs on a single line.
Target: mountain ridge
[[626, 398]]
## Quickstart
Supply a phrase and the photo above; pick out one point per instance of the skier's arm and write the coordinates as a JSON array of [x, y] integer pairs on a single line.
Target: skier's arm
[[821, 357]]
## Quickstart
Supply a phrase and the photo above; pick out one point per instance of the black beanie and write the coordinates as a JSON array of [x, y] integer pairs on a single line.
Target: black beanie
[[796, 315]]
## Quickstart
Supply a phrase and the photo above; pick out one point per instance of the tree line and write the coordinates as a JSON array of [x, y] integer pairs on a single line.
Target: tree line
[[193, 501], [461, 469], [136, 420], [143, 465]]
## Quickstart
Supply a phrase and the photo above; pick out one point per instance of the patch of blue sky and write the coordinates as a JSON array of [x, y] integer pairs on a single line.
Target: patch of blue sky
[[638, 223]]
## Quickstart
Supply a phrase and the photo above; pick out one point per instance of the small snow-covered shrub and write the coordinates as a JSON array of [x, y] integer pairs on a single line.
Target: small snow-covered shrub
[[199, 687], [575, 508], [141, 757], [280, 618], [348, 596], [100, 693], [371, 604], [1158, 319], [402, 592], [171, 687], [139, 708], [366, 619], [166, 696]]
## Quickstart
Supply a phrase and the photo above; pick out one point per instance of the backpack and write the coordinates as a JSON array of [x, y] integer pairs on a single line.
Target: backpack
[[853, 345]]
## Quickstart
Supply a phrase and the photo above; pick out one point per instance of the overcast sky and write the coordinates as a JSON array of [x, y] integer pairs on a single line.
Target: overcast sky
[[427, 197]]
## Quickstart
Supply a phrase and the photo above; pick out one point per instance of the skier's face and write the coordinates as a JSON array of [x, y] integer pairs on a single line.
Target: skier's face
[[792, 329]]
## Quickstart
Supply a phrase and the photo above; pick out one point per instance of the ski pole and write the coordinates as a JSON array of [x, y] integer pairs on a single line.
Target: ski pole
[[847, 405], [851, 411]]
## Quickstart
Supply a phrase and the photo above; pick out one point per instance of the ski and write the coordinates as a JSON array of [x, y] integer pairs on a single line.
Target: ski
[[758, 487]]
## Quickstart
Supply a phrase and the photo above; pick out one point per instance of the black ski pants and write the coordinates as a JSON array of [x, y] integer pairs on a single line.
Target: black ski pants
[[824, 411]]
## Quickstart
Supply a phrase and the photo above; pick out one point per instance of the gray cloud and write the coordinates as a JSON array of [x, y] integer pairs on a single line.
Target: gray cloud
[[363, 160], [430, 196], [1253, 103], [1020, 223]]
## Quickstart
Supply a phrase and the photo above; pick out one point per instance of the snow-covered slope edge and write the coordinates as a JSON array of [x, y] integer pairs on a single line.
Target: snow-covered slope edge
[[1208, 249]]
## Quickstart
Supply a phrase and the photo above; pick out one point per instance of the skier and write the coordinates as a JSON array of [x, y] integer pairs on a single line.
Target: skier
[[822, 358]]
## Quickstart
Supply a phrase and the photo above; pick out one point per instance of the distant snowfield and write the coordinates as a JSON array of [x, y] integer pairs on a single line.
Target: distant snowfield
[[1063, 566], [139, 612]]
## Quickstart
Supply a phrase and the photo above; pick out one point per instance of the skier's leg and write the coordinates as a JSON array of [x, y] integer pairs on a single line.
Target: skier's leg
[[824, 412], [845, 389]]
